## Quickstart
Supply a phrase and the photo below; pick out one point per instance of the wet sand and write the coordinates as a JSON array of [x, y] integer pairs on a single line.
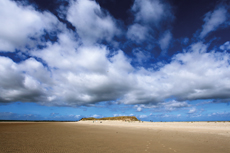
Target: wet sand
[[114, 136]]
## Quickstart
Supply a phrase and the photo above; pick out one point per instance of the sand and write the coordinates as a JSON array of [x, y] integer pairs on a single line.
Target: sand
[[115, 136]]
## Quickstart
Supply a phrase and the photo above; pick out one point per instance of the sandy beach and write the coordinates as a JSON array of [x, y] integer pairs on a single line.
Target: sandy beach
[[115, 136]]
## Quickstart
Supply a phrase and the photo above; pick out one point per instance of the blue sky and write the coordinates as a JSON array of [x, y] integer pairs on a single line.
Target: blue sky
[[156, 60]]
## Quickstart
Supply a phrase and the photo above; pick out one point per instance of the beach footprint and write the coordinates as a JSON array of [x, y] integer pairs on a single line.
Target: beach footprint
[[147, 145]]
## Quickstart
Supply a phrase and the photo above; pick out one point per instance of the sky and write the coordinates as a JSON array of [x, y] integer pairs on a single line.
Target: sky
[[158, 60]]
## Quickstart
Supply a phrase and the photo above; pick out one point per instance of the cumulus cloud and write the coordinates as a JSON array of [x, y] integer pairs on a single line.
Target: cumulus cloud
[[123, 115], [222, 114], [86, 75], [143, 116], [67, 73], [192, 110], [202, 69], [138, 108], [213, 20], [164, 42], [21, 23], [149, 11], [141, 56], [172, 105], [20, 84], [164, 106], [80, 75], [185, 41], [96, 116], [189, 76], [93, 25], [225, 46], [138, 33], [150, 17]]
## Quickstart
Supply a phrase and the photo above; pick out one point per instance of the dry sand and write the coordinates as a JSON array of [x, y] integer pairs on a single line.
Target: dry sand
[[116, 136]]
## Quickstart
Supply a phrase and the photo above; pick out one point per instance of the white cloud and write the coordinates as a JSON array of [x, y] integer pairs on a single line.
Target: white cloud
[[18, 85], [80, 75], [199, 47], [141, 56], [86, 71], [164, 42], [19, 23], [143, 116], [163, 106], [119, 115], [189, 76], [149, 11], [225, 46], [223, 114], [150, 17], [77, 116], [114, 115], [35, 69], [96, 116], [137, 33], [213, 20], [76, 74], [139, 109], [192, 110], [172, 105], [185, 41], [166, 115], [196, 115], [93, 25]]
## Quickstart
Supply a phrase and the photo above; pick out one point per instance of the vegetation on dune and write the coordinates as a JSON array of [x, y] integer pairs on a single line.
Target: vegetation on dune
[[122, 118]]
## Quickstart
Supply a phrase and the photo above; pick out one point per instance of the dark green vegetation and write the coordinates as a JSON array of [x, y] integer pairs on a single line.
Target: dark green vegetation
[[122, 118]]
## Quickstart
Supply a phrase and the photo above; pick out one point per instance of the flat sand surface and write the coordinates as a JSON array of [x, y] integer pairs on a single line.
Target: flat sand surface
[[115, 136]]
